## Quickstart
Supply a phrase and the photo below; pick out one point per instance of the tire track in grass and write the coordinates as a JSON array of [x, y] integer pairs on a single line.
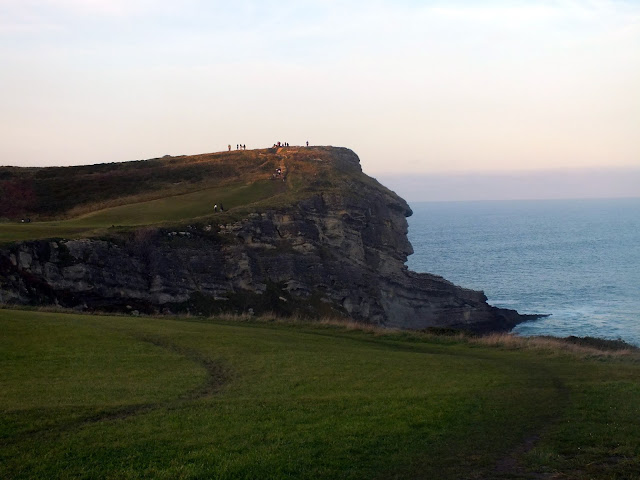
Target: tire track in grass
[[217, 376], [510, 465]]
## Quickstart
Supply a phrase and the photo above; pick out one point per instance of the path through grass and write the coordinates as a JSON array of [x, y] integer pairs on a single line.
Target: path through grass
[[170, 209]]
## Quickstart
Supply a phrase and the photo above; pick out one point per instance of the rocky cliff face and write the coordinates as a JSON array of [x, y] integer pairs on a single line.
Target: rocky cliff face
[[339, 252]]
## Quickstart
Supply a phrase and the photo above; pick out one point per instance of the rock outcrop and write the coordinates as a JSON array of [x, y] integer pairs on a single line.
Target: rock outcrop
[[338, 252]]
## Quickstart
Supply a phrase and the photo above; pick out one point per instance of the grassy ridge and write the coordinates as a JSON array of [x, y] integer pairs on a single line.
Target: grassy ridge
[[166, 210], [180, 207], [85, 201], [50, 192], [114, 397], [64, 192]]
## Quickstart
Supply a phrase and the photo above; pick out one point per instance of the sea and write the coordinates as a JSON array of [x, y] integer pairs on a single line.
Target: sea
[[576, 260]]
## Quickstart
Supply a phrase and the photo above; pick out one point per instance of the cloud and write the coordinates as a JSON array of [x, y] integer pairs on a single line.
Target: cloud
[[117, 8], [513, 14], [22, 28]]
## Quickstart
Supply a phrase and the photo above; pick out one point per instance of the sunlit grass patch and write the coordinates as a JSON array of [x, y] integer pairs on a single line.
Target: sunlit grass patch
[[164, 210], [584, 347]]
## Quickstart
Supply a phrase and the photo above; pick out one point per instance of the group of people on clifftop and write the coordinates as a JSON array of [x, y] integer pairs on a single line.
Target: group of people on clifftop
[[241, 146], [284, 144]]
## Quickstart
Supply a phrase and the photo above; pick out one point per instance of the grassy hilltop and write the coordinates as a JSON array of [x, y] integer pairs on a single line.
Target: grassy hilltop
[[94, 199], [115, 397]]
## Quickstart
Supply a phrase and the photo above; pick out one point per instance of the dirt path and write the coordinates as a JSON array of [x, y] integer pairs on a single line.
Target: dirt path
[[510, 466], [217, 375]]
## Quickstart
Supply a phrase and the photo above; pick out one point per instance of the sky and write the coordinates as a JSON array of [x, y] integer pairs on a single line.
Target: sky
[[459, 96]]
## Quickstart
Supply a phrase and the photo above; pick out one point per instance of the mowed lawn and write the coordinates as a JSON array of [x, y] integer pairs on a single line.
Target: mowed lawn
[[169, 209], [117, 397]]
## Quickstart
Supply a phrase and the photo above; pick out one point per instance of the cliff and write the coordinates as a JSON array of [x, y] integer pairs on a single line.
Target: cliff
[[334, 243]]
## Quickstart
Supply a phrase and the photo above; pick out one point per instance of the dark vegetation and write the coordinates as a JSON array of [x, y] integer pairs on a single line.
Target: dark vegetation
[[98, 200], [599, 343], [53, 191], [276, 300], [17, 197]]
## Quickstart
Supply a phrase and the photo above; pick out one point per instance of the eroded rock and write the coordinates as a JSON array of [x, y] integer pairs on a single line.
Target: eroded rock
[[337, 253]]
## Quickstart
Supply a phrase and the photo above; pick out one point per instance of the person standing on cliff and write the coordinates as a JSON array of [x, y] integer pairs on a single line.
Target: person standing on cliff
[[229, 147], [307, 143]]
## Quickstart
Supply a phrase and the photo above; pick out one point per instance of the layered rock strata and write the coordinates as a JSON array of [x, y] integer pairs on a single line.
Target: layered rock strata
[[340, 252]]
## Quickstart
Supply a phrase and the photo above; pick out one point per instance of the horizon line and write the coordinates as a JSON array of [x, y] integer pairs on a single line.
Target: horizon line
[[488, 200]]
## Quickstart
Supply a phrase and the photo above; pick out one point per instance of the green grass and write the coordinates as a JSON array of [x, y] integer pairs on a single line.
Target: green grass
[[85, 201], [54, 191], [12, 232], [178, 208], [116, 397]]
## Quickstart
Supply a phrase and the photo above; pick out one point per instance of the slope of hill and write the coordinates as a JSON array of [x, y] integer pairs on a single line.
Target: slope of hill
[[55, 192], [303, 231]]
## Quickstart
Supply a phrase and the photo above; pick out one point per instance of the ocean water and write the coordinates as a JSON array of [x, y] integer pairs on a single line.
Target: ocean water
[[578, 260]]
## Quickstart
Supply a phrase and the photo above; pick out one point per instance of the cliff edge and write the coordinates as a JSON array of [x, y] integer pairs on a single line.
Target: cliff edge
[[326, 240]]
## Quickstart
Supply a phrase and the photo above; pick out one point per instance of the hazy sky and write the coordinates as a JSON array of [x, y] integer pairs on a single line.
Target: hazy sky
[[414, 87]]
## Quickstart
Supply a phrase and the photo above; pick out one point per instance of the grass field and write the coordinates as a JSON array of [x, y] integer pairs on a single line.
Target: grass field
[[118, 397], [163, 210], [90, 200], [54, 192]]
